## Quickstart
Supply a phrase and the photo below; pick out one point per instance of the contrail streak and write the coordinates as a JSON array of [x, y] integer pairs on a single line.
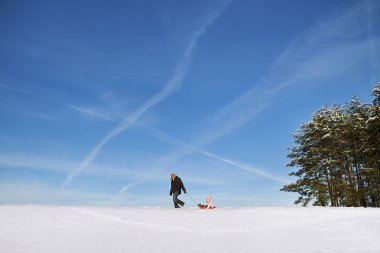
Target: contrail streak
[[127, 187], [188, 149], [171, 86], [90, 112], [245, 167]]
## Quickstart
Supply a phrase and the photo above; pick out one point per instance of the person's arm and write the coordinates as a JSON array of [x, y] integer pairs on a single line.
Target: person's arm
[[182, 186]]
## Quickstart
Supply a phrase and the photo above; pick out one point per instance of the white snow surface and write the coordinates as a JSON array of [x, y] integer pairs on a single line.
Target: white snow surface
[[99, 229]]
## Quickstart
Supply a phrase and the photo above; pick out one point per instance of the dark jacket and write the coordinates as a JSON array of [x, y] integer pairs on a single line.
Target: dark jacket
[[177, 185]]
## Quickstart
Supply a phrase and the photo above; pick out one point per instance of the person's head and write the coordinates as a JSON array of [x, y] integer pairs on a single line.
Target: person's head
[[209, 198], [172, 176]]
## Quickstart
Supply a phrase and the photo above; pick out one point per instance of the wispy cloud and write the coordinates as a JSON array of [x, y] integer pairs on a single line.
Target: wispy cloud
[[20, 160], [27, 92], [55, 164], [84, 110], [41, 193], [10, 87], [327, 49], [173, 84]]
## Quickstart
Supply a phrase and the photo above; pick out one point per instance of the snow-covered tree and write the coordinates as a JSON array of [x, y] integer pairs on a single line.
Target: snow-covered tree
[[374, 142], [338, 156]]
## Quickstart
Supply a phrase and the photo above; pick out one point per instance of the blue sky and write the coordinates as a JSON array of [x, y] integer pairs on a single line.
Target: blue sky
[[101, 100]]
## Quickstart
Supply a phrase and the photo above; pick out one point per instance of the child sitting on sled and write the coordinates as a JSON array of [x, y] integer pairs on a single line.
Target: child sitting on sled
[[209, 203]]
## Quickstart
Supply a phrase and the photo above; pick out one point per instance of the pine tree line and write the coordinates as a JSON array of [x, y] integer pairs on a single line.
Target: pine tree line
[[338, 153]]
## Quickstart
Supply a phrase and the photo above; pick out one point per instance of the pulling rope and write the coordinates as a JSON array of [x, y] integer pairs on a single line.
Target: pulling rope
[[192, 199]]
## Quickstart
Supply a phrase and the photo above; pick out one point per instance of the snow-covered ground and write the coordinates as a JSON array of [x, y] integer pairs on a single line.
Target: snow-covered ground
[[88, 229]]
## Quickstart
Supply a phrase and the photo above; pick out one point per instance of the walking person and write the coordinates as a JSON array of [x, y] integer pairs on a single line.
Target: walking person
[[175, 190]]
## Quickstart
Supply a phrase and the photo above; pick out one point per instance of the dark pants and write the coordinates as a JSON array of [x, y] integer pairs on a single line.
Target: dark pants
[[177, 201]]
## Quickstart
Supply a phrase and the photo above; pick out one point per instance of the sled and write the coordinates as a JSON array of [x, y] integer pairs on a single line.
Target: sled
[[200, 206]]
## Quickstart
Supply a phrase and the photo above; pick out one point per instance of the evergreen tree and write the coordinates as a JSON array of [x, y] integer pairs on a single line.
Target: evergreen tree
[[338, 156], [374, 144]]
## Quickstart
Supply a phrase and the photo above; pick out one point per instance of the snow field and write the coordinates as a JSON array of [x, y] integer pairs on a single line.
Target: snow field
[[98, 229]]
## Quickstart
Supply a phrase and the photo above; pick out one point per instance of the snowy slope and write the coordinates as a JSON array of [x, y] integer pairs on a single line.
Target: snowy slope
[[86, 229]]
